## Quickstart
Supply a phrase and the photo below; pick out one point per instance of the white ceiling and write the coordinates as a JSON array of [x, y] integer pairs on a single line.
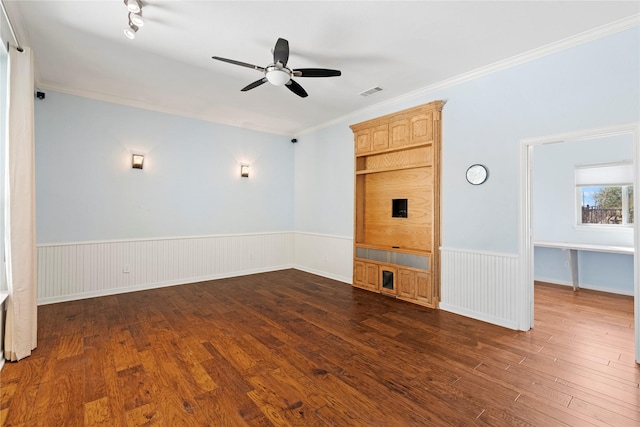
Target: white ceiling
[[80, 48]]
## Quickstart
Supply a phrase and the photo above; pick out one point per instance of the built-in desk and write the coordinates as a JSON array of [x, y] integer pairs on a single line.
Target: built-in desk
[[573, 249]]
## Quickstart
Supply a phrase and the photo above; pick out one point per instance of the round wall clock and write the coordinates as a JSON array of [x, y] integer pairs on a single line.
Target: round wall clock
[[477, 174]]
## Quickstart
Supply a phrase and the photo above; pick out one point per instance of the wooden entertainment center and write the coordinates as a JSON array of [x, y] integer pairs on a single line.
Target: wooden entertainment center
[[397, 204]]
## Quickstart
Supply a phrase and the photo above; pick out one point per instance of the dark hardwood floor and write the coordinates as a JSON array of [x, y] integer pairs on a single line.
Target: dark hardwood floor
[[291, 348]]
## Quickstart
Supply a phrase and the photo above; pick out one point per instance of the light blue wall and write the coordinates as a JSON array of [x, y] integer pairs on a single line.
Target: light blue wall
[[190, 184], [324, 182], [591, 85], [599, 271]]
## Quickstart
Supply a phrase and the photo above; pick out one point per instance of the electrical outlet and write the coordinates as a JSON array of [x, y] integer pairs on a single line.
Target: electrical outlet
[[125, 269]]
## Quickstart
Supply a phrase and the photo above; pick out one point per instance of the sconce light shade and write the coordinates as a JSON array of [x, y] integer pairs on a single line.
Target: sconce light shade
[[244, 171], [136, 161]]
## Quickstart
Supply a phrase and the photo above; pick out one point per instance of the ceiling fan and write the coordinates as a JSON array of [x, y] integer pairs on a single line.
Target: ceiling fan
[[278, 74]]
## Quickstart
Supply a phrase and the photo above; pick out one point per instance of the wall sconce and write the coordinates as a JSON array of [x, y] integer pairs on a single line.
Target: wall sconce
[[136, 161], [244, 171]]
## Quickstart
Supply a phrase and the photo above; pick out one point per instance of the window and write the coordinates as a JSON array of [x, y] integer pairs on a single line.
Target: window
[[605, 194]]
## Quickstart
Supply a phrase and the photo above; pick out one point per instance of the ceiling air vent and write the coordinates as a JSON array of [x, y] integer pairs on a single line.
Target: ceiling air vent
[[371, 91]]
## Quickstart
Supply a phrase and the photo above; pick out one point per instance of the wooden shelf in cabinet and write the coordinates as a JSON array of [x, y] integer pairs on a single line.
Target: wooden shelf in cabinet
[[391, 150], [411, 158], [389, 169]]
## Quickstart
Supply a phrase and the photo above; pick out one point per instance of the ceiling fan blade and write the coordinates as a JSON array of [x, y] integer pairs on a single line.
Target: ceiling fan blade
[[242, 64], [297, 89], [281, 52], [254, 84], [316, 72]]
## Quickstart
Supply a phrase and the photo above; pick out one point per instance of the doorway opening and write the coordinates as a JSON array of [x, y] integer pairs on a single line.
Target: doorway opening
[[527, 239]]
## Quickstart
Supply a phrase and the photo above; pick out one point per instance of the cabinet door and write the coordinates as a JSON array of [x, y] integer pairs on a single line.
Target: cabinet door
[[399, 132], [380, 136], [371, 277], [421, 128], [363, 141], [359, 274], [407, 283], [424, 289]]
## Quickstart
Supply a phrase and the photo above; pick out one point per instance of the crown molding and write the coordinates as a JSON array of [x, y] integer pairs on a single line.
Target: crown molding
[[551, 48], [99, 96]]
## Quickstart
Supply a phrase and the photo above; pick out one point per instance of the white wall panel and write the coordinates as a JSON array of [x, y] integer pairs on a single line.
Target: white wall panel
[[69, 271], [482, 285], [325, 255]]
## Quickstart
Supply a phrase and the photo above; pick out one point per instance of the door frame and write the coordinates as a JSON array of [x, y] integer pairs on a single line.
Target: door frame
[[525, 319]]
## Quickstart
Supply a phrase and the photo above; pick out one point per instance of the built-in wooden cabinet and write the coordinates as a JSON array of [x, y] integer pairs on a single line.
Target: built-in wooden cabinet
[[397, 204]]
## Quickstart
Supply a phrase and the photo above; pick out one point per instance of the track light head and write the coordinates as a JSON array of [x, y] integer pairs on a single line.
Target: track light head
[[134, 6], [130, 32], [136, 18]]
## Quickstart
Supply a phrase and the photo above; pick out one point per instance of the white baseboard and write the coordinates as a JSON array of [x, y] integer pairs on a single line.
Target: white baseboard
[[586, 286], [115, 291], [339, 278], [507, 323]]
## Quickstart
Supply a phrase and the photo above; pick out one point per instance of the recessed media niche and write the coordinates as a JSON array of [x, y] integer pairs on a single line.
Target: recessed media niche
[[399, 208]]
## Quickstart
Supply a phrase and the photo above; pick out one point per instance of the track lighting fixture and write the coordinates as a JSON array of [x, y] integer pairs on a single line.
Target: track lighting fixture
[[135, 18]]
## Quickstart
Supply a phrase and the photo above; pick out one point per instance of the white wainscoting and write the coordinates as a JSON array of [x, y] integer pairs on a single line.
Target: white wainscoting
[[481, 285], [70, 271], [324, 255]]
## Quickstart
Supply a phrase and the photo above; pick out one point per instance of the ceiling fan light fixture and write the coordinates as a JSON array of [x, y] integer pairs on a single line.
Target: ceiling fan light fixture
[[277, 76], [130, 32], [133, 5], [136, 19]]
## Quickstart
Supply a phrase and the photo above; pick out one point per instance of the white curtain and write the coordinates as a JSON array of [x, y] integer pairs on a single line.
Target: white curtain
[[20, 230]]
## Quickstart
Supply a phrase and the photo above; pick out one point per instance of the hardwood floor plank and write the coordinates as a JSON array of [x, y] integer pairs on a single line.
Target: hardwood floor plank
[[61, 401], [146, 415], [605, 415], [96, 413], [587, 393], [290, 348]]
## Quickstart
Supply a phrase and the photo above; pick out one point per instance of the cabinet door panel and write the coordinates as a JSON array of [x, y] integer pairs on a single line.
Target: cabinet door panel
[[407, 283], [399, 132], [371, 276], [421, 128], [424, 288], [359, 273], [380, 137], [363, 141]]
